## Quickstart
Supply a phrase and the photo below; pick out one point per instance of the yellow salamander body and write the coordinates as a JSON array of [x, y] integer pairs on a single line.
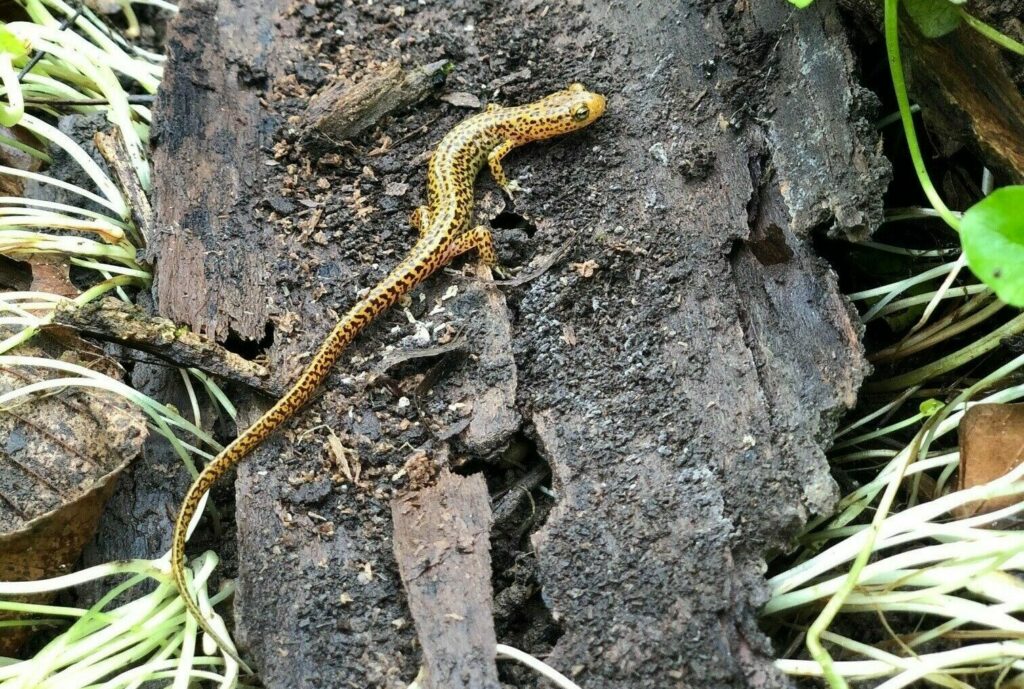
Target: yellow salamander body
[[445, 233]]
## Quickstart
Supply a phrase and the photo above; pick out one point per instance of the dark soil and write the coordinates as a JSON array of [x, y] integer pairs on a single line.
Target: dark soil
[[680, 370]]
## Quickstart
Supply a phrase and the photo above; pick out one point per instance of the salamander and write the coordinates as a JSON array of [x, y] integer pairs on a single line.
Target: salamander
[[444, 233]]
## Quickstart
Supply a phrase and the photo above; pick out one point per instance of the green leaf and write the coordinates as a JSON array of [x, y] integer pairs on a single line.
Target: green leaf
[[801, 3], [933, 17], [930, 407], [992, 234]]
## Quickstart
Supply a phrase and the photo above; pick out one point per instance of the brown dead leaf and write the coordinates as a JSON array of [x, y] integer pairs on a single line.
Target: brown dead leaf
[[51, 273], [991, 445], [11, 186], [13, 157], [60, 456], [347, 460]]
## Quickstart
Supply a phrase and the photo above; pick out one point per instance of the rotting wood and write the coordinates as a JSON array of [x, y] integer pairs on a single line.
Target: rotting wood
[[491, 391], [208, 139], [967, 97], [112, 320], [963, 84], [442, 549], [684, 416], [342, 111], [113, 149], [713, 352]]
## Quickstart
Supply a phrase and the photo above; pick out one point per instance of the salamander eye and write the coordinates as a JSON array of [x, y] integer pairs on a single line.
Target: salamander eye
[[581, 113]]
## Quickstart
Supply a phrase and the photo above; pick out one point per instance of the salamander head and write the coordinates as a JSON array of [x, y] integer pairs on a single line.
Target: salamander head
[[559, 113]]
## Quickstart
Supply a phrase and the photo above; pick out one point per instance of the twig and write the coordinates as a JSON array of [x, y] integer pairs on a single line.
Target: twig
[[111, 320], [112, 147]]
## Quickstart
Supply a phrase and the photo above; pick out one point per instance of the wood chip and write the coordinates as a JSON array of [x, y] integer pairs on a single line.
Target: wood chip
[[462, 99], [343, 111], [442, 545]]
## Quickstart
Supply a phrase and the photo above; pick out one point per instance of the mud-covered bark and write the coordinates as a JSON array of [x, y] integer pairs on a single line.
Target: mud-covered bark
[[680, 370], [685, 429]]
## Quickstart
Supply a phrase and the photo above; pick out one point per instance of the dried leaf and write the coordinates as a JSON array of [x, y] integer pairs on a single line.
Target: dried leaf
[[60, 456], [51, 273], [347, 460], [991, 445]]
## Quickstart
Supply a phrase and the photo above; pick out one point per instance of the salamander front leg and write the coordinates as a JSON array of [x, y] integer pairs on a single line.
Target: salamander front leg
[[478, 238], [494, 162]]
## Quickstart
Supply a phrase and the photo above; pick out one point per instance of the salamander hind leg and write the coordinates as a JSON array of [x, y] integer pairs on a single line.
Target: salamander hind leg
[[494, 162], [418, 219], [478, 238]]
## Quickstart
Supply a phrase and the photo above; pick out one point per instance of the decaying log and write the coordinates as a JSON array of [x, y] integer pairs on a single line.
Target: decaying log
[[967, 96], [680, 372], [210, 138], [342, 110], [963, 83], [685, 425], [441, 545]]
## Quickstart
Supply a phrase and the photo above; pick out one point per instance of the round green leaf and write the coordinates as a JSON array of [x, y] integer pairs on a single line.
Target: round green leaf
[[992, 234], [933, 17]]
